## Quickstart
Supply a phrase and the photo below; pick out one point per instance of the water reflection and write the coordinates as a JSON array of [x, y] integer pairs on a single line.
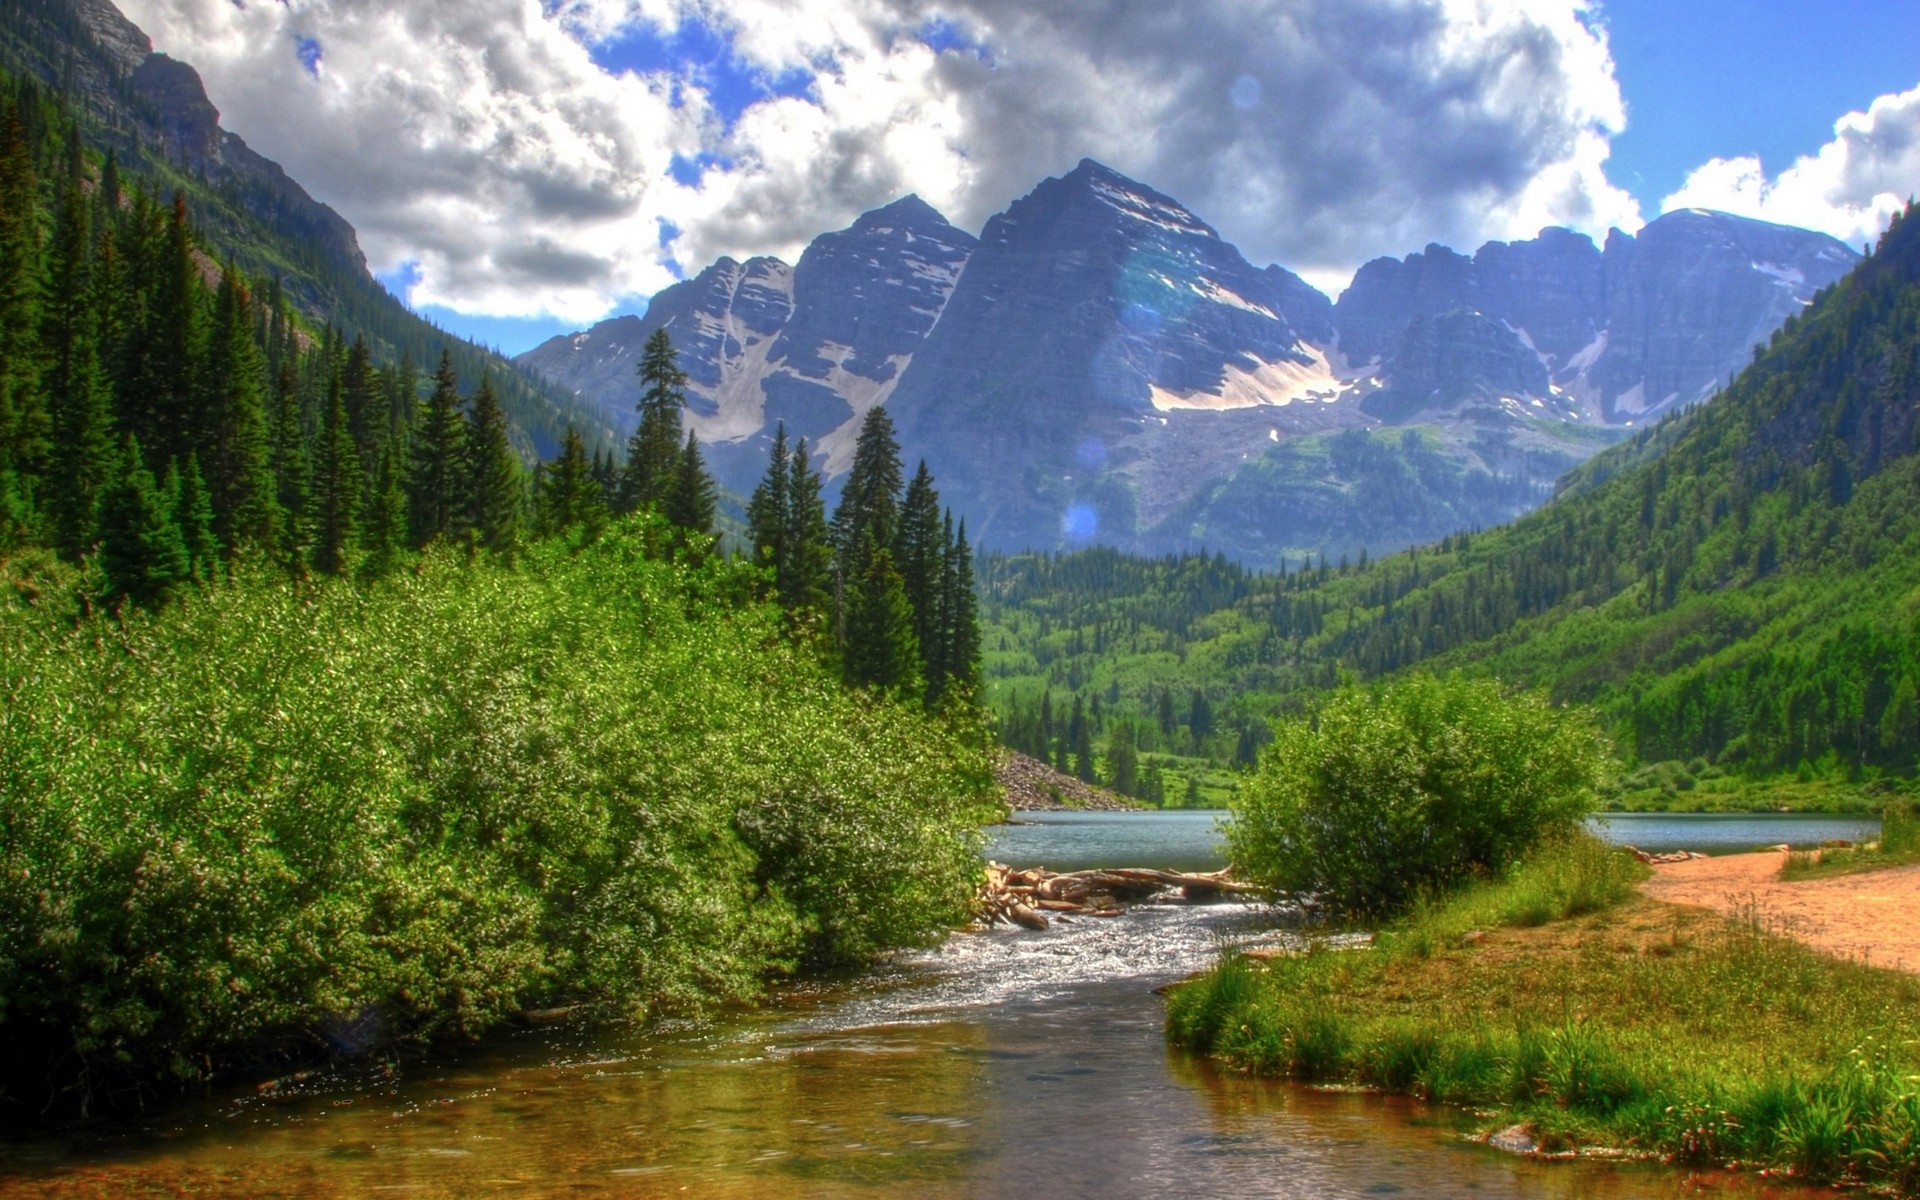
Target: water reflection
[[999, 1065]]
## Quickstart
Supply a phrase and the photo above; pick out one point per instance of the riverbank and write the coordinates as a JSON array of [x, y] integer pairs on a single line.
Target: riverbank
[[1574, 1012]]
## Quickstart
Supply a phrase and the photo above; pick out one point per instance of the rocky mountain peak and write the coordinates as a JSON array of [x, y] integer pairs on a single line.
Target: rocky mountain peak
[[909, 213]]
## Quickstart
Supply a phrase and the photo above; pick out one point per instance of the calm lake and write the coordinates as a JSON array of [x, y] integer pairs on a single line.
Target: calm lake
[[1189, 839], [1001, 1064]]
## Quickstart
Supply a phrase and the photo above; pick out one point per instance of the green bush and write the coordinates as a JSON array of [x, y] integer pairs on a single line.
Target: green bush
[[1389, 791], [441, 799]]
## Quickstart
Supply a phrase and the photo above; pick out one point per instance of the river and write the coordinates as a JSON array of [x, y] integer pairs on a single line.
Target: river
[[1000, 1064]]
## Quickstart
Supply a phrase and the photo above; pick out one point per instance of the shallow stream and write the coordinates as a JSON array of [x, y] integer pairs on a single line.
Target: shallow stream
[[1002, 1064]]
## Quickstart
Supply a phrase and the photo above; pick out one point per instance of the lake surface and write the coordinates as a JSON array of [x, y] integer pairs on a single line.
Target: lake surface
[[1189, 839], [1001, 1064]]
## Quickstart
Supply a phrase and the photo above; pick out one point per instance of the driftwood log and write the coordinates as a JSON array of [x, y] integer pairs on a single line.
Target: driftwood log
[[1024, 898]]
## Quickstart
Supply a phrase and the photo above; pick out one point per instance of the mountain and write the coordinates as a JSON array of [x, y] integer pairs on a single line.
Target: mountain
[[1101, 366], [152, 111], [1736, 589]]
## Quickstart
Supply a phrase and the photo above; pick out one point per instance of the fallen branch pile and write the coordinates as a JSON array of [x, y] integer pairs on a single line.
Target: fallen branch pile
[[1025, 897]]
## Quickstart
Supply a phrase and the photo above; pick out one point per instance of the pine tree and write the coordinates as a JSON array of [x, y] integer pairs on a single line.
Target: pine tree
[[870, 500], [434, 482], [920, 552], [960, 622], [1122, 760], [1080, 734], [336, 487], [880, 651], [186, 490], [292, 469], [569, 495], [493, 478], [768, 518], [83, 462], [238, 455], [24, 424], [367, 411], [163, 402], [808, 585], [384, 525], [690, 505], [141, 551], [654, 453]]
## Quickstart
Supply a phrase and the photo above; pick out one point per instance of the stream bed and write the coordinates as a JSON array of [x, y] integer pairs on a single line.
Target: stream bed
[[1001, 1064]]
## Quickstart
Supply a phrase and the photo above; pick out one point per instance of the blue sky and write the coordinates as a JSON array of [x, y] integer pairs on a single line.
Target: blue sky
[[1722, 78]]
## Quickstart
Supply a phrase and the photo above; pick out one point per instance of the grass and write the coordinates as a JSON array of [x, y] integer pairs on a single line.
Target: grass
[[1559, 998], [1898, 845]]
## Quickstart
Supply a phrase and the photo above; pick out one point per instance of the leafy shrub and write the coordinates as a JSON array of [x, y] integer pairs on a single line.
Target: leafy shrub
[[440, 799], [1412, 785]]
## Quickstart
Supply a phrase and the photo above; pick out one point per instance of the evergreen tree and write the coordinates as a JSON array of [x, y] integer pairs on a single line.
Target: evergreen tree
[[654, 453], [690, 505], [384, 526], [769, 522], [162, 403], [1080, 734], [367, 410], [1122, 760], [569, 495], [192, 503], [870, 500], [808, 585], [24, 426], [292, 469], [141, 551], [493, 479], [960, 621], [920, 552], [336, 487], [434, 482], [880, 651], [238, 455], [83, 463]]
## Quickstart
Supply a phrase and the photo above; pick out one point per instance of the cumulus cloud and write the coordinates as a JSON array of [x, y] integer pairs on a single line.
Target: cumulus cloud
[[1849, 188], [480, 138]]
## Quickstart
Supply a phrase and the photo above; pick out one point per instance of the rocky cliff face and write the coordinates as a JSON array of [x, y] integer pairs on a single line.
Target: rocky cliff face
[[1101, 366]]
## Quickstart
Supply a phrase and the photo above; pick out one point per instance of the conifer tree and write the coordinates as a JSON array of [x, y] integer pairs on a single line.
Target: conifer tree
[[24, 426], [870, 500], [690, 505], [238, 459], [384, 526], [366, 400], [768, 519], [162, 403], [493, 485], [292, 469], [193, 513], [960, 621], [880, 650], [434, 482], [920, 553], [654, 453], [337, 487], [809, 581], [141, 551], [83, 464], [569, 495], [1080, 737]]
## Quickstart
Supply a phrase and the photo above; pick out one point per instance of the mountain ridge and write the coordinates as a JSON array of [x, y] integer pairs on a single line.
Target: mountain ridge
[[1099, 365]]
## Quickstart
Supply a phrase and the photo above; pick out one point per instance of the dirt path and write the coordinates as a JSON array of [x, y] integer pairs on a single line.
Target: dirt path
[[1873, 918]]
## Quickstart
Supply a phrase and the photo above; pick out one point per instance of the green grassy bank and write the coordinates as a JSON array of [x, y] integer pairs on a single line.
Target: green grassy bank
[[287, 817], [1558, 997]]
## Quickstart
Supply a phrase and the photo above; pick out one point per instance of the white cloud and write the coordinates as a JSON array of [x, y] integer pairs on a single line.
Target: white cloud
[[1849, 188], [478, 138]]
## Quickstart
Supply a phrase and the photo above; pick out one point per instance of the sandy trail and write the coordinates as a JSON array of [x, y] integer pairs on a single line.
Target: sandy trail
[[1872, 918]]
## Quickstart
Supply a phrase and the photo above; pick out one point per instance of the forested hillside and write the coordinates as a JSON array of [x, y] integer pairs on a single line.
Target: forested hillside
[[1737, 587], [80, 66]]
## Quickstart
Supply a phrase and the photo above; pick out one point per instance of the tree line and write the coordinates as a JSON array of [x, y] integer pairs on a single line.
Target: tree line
[[160, 413], [891, 573]]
